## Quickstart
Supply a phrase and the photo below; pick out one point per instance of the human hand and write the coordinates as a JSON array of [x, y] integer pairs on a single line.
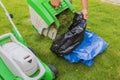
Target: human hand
[[55, 3], [85, 14]]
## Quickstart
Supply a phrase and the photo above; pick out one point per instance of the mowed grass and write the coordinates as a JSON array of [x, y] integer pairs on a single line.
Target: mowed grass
[[104, 20]]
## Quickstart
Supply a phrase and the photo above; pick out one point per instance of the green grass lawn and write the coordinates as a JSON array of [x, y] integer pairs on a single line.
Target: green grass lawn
[[104, 20]]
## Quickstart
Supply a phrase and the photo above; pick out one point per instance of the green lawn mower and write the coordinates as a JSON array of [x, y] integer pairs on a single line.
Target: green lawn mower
[[18, 61]]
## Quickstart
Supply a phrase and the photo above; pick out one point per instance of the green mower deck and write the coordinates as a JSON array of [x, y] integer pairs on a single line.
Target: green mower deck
[[5, 73]]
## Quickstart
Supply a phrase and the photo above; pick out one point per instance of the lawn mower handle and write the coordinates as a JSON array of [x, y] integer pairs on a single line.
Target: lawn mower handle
[[14, 30], [9, 18]]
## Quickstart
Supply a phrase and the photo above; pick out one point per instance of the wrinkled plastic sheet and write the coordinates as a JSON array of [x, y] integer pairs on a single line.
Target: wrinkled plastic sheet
[[68, 41], [91, 46]]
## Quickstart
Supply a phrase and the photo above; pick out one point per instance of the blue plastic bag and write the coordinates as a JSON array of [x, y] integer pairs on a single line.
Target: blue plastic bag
[[91, 46]]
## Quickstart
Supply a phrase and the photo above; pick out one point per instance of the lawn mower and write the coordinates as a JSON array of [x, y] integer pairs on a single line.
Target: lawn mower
[[18, 61]]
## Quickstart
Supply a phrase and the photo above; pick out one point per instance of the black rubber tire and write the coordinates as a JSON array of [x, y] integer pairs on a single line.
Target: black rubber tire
[[54, 70], [32, 50]]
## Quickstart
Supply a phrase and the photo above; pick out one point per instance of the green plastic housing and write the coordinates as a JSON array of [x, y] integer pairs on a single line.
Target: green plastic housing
[[48, 13], [6, 74]]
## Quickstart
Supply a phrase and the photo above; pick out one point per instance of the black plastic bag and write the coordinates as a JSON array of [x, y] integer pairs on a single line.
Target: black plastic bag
[[71, 39]]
